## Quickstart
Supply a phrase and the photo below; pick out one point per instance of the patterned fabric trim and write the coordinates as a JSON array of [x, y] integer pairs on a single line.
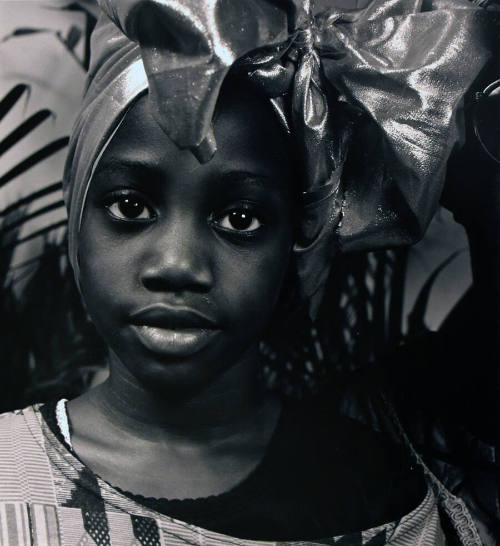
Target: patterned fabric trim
[[454, 507], [51, 498], [22, 523]]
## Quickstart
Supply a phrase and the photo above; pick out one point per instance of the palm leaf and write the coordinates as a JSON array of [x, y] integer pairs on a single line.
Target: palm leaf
[[34, 235], [15, 137], [416, 322], [70, 41], [51, 188], [12, 97], [43, 210], [36, 157], [48, 346], [24, 129]]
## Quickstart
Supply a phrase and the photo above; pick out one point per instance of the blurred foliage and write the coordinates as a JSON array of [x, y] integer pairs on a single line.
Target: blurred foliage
[[360, 320], [48, 347], [47, 342]]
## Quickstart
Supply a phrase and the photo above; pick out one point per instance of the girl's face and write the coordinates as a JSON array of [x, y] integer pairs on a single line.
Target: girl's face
[[182, 263]]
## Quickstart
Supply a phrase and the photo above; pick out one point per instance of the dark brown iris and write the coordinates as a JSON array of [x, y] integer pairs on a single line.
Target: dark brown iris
[[239, 219], [130, 208]]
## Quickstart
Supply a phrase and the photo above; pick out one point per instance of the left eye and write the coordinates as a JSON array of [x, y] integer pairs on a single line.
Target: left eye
[[239, 220], [130, 208]]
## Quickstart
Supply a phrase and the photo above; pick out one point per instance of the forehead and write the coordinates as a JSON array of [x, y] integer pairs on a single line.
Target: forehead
[[248, 134]]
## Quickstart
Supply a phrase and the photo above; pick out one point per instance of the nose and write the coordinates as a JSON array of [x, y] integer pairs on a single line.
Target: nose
[[177, 258]]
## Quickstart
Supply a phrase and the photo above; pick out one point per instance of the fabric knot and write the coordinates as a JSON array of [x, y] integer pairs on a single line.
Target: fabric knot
[[304, 39], [365, 95], [328, 36]]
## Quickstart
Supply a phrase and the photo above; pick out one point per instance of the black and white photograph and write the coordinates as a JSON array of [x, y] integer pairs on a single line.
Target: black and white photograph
[[249, 272]]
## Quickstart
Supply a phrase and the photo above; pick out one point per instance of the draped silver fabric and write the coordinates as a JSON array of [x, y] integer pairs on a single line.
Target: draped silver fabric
[[370, 98]]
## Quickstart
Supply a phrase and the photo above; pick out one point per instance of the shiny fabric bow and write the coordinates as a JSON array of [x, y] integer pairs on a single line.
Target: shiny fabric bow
[[370, 98]]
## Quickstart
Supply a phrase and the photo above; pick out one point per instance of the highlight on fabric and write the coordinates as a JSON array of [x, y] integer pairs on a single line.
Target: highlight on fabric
[[366, 96]]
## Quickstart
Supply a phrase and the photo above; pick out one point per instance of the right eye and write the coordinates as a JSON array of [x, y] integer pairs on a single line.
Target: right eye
[[129, 207]]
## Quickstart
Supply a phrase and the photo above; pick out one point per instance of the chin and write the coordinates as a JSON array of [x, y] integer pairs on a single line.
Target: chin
[[175, 378], [181, 375]]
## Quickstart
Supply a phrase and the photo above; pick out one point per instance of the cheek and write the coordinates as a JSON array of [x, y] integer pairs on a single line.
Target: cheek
[[246, 287], [106, 273], [251, 286]]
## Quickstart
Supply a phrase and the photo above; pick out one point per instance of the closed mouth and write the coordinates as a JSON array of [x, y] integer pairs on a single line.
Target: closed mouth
[[173, 331], [171, 317]]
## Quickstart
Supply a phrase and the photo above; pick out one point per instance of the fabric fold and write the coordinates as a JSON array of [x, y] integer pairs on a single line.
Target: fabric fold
[[370, 98]]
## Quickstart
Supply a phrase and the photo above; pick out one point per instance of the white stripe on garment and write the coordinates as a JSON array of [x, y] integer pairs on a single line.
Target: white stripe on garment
[[3, 525], [20, 524], [41, 537]]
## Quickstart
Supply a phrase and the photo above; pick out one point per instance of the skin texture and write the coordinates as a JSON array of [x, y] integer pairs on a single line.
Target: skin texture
[[159, 228]]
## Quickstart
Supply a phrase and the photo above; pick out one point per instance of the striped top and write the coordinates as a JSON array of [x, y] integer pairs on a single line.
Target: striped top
[[48, 497]]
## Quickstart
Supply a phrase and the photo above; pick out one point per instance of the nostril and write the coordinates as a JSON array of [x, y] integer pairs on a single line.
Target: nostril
[[154, 284], [177, 258]]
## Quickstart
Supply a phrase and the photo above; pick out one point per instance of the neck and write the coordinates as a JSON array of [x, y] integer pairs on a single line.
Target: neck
[[217, 409]]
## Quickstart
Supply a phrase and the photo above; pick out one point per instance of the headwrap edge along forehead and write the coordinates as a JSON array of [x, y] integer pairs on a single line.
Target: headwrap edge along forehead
[[116, 78], [370, 96]]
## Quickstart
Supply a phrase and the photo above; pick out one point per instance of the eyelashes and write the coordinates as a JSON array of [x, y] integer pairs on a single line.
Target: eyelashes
[[240, 219], [130, 207]]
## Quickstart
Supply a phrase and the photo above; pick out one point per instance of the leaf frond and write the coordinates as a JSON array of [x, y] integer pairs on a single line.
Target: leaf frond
[[11, 98], [56, 186], [36, 157], [33, 235], [26, 127], [27, 217]]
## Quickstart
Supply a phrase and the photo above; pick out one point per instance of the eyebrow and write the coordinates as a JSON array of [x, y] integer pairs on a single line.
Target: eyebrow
[[134, 165], [242, 176], [139, 166], [246, 177]]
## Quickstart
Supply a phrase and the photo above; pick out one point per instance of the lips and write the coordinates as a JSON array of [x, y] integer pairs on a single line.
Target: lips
[[173, 331]]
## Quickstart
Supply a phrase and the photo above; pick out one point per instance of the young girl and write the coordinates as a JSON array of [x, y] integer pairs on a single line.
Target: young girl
[[205, 207]]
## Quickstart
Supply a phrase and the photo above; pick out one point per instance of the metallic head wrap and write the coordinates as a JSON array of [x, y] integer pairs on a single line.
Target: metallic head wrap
[[369, 96]]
